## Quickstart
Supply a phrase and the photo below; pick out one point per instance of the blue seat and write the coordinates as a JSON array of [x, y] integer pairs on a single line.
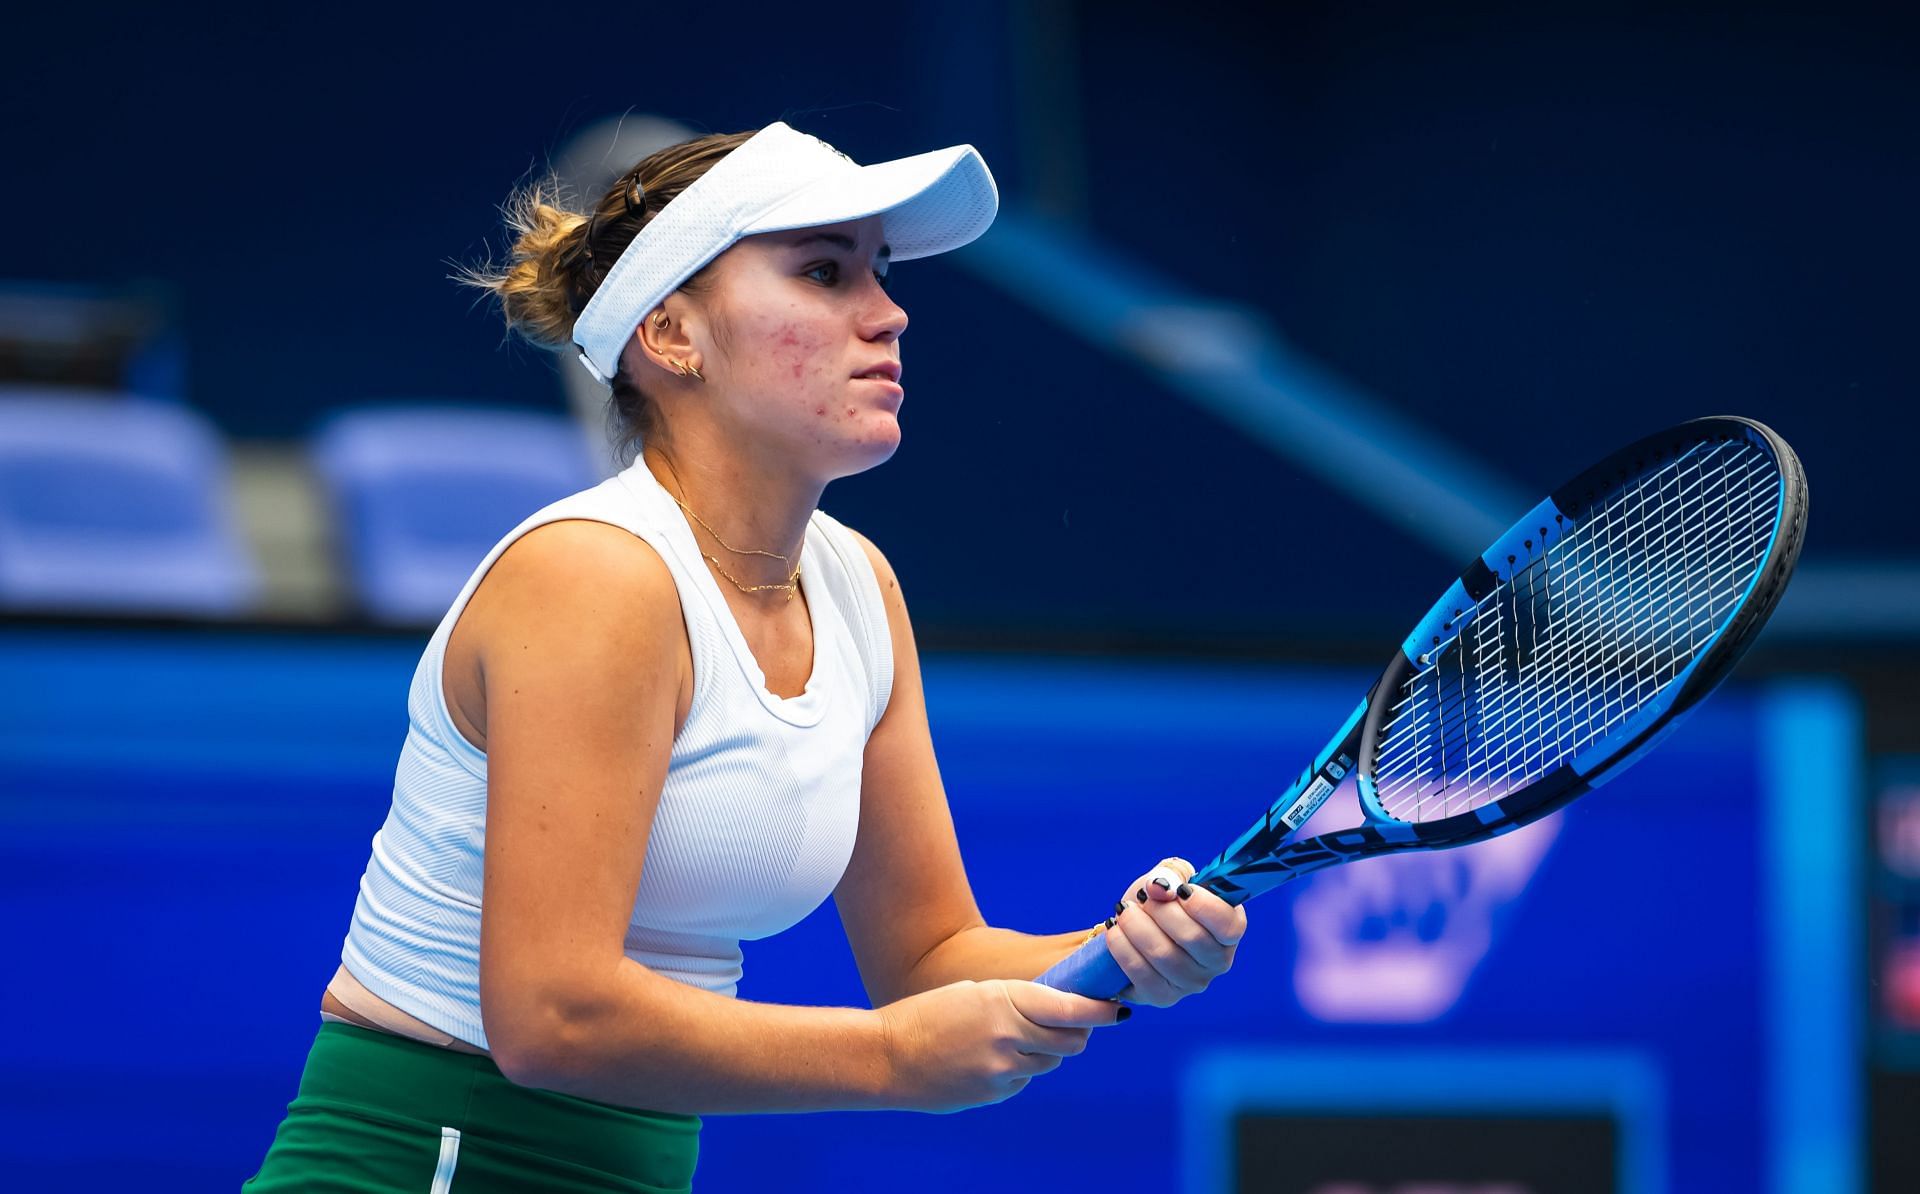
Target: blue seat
[[420, 493], [112, 504]]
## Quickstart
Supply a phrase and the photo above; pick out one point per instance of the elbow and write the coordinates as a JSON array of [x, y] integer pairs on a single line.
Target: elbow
[[529, 1063], [544, 1043]]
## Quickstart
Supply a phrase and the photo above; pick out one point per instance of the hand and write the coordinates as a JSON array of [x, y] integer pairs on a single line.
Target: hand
[[1172, 938], [973, 1043]]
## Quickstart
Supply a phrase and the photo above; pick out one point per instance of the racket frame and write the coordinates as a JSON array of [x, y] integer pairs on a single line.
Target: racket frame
[[1265, 856]]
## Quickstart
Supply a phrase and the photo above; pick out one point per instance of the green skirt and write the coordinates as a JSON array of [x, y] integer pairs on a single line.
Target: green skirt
[[378, 1112]]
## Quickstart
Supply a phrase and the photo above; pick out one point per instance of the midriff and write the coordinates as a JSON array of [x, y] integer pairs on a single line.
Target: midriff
[[349, 1000]]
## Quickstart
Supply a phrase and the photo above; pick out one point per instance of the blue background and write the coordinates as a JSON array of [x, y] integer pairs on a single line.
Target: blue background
[[182, 830], [1528, 231]]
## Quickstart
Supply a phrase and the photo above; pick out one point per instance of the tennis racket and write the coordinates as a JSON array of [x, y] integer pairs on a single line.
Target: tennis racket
[[1562, 654]]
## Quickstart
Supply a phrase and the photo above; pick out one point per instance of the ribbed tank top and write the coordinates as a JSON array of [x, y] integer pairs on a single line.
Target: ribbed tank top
[[755, 822]]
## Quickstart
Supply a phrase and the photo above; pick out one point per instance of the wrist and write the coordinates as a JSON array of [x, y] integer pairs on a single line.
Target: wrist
[[883, 1076]]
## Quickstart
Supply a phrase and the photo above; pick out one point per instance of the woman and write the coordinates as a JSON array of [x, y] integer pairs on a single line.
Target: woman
[[679, 710]]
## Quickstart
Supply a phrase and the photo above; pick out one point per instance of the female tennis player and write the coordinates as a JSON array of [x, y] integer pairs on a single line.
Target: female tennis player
[[677, 711]]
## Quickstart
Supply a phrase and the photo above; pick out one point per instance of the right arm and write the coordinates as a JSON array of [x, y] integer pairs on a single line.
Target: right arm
[[582, 659]]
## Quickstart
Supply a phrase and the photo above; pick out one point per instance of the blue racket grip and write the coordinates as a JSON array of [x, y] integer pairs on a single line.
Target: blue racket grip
[[1089, 970]]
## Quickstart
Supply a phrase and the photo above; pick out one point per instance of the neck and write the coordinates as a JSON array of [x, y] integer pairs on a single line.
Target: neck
[[746, 507]]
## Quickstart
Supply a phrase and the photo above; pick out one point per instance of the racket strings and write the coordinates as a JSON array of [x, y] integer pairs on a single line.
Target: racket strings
[[1579, 638], [1509, 722], [1534, 585], [1492, 641], [1654, 643], [1491, 756], [1502, 711]]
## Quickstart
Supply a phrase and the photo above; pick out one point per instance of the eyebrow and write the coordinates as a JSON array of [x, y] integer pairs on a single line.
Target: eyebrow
[[838, 241]]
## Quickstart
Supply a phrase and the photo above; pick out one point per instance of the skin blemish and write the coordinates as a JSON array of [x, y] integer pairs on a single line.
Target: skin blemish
[[794, 349], [820, 410]]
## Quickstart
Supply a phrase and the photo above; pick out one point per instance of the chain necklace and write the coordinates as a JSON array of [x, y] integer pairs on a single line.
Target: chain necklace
[[790, 586]]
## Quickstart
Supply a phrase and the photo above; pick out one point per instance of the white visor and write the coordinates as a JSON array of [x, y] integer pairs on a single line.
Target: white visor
[[775, 180]]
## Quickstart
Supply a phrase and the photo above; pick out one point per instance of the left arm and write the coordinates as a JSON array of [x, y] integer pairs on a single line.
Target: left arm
[[909, 911]]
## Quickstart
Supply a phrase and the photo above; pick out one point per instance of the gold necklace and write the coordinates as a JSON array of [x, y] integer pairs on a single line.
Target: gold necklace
[[790, 586]]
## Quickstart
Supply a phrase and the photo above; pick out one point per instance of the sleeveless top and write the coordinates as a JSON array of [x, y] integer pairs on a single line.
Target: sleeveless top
[[756, 820]]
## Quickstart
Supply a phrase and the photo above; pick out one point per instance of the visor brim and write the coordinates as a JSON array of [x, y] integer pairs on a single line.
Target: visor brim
[[930, 202]]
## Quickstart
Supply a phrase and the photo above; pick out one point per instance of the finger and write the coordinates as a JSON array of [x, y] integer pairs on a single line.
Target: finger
[[1060, 1009], [1160, 884], [1162, 972], [1149, 985], [1156, 884], [1029, 1065], [1227, 923], [1179, 968], [1055, 1042], [1190, 935]]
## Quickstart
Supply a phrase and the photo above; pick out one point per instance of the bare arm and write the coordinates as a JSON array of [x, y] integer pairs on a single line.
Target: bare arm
[[905, 900], [909, 910], [582, 653]]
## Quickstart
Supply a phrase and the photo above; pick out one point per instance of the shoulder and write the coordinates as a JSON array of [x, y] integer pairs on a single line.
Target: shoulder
[[576, 554], [581, 577], [882, 569]]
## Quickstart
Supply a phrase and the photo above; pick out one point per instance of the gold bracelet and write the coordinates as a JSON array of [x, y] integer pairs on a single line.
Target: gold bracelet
[[1095, 931]]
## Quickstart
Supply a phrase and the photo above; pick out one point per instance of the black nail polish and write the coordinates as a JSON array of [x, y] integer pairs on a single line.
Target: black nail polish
[[1119, 906], [1163, 885], [1110, 921], [1186, 889], [1122, 1014], [1141, 895]]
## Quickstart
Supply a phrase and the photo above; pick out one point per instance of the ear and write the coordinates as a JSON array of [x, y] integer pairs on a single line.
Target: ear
[[662, 340]]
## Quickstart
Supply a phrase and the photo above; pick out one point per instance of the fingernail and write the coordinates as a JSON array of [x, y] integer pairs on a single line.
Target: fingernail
[[1141, 895], [1186, 889], [1163, 885], [1119, 906], [1110, 921], [1122, 1014]]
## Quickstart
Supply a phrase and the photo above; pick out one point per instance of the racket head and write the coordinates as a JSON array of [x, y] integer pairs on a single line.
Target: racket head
[[1536, 717], [1579, 639]]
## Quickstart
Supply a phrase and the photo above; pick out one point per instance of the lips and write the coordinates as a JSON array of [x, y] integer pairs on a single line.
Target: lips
[[886, 371]]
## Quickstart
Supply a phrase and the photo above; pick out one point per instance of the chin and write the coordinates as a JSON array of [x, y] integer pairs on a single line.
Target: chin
[[872, 449]]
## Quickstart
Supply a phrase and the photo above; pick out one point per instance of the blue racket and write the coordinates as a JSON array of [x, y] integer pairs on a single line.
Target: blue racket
[[1561, 655]]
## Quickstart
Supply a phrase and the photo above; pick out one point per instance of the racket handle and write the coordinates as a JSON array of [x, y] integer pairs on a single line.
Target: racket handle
[[1089, 970]]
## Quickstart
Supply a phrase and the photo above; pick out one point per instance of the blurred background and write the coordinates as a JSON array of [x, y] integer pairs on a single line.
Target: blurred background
[[1287, 310]]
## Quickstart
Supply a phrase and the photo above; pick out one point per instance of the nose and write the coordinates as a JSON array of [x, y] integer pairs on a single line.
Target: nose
[[885, 319]]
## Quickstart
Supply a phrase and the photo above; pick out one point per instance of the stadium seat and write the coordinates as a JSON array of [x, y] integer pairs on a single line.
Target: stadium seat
[[420, 493], [112, 504]]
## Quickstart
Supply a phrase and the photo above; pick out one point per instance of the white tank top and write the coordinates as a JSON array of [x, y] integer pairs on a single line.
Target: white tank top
[[756, 820]]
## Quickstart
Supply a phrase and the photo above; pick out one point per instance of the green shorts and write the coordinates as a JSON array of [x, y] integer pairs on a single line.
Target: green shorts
[[378, 1112]]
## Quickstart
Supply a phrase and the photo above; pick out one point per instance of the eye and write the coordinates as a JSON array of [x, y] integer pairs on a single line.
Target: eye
[[827, 273]]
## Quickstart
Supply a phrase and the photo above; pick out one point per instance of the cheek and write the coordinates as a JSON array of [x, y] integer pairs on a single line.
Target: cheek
[[796, 350]]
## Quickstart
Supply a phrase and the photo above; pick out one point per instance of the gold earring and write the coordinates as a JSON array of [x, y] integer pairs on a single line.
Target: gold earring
[[687, 370], [659, 319]]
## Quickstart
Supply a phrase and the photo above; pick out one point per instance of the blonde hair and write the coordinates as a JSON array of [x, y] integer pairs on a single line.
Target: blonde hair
[[559, 257]]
